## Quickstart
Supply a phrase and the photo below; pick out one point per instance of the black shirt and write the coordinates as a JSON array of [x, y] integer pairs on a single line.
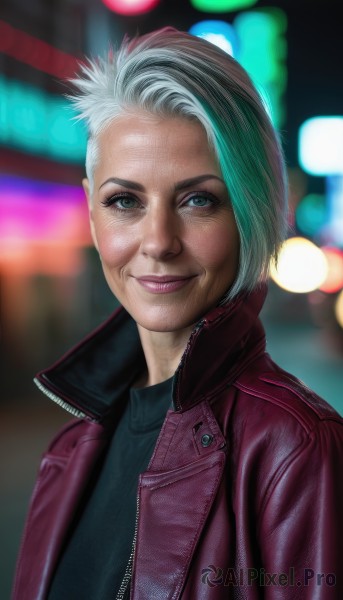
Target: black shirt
[[94, 561]]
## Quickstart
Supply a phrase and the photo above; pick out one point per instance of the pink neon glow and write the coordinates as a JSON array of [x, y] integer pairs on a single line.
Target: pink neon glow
[[37, 213], [130, 7], [36, 222], [43, 227]]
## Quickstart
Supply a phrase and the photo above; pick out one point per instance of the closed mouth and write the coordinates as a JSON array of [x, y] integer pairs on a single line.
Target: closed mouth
[[164, 278], [163, 284]]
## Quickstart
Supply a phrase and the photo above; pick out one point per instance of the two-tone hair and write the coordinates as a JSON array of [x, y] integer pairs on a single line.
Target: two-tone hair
[[169, 73]]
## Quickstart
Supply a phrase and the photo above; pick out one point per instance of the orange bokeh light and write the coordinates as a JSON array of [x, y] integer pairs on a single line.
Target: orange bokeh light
[[334, 279]]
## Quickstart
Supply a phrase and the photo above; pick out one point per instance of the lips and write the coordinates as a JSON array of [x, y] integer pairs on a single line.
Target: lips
[[162, 284]]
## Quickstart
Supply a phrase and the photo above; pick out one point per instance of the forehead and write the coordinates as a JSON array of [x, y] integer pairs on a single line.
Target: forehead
[[144, 141]]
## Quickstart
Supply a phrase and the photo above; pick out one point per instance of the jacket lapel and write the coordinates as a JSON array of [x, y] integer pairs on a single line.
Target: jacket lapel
[[175, 500]]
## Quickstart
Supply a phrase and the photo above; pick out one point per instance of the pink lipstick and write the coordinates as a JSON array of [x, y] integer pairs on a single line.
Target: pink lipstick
[[163, 284]]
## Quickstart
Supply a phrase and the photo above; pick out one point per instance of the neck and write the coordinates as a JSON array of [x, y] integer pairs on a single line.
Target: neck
[[162, 351]]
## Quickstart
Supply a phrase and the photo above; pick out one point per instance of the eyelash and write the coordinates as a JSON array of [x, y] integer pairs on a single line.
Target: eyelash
[[113, 201]]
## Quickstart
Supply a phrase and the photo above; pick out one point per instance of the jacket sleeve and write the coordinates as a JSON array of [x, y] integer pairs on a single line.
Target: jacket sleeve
[[301, 526]]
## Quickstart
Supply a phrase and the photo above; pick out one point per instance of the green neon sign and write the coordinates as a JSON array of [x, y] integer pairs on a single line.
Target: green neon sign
[[217, 6], [39, 123], [263, 53]]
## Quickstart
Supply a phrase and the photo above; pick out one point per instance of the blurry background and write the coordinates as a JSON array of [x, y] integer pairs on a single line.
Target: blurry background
[[52, 290]]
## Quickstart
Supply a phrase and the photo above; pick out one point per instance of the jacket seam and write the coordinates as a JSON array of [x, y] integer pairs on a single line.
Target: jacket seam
[[68, 450], [176, 478], [34, 495], [302, 420], [282, 469], [158, 443]]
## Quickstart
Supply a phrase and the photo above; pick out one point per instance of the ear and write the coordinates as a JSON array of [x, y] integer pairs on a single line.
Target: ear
[[86, 187]]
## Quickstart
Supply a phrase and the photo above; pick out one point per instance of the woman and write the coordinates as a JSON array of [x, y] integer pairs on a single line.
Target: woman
[[196, 468]]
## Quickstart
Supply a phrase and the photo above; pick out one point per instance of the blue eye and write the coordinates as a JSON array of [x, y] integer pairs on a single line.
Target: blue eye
[[121, 202], [126, 202], [200, 200]]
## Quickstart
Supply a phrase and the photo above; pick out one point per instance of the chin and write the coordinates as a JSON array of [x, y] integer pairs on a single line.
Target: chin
[[163, 326], [164, 322]]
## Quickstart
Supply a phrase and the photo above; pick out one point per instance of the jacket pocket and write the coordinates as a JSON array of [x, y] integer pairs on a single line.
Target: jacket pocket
[[174, 506]]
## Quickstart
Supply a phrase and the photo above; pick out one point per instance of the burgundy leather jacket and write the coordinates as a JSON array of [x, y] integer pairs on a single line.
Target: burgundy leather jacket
[[242, 498]]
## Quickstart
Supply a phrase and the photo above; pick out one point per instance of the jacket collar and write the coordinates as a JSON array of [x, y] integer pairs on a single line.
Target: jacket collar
[[91, 379], [221, 345]]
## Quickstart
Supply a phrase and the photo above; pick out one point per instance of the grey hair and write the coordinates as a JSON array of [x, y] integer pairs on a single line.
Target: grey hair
[[172, 73]]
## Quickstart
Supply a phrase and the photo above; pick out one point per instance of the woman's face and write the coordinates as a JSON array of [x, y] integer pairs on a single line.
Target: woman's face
[[161, 220]]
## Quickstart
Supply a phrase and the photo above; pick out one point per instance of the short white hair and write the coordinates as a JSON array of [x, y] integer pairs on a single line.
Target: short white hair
[[129, 79]]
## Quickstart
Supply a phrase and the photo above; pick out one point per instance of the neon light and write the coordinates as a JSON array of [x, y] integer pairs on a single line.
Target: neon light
[[43, 227], [334, 191], [32, 211], [334, 279], [339, 309], [257, 40], [219, 33], [302, 266], [131, 7], [263, 53], [320, 145], [312, 214], [36, 53], [47, 257], [221, 5], [39, 123]]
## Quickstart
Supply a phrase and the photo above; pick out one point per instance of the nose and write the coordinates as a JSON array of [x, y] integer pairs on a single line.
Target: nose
[[161, 231]]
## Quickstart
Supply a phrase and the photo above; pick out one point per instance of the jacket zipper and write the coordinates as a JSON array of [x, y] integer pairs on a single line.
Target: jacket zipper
[[68, 407], [121, 595], [183, 358], [78, 413]]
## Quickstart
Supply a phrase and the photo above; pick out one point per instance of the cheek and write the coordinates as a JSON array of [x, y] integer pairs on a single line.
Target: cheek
[[219, 248], [114, 243]]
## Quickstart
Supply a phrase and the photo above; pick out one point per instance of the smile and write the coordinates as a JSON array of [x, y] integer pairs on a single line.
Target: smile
[[163, 284]]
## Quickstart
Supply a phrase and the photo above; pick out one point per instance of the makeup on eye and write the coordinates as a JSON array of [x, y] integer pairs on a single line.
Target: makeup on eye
[[201, 200], [126, 201], [125, 198]]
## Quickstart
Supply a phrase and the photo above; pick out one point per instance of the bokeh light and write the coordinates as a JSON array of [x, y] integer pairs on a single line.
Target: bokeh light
[[334, 278], [302, 267], [219, 33], [131, 7], [339, 309], [263, 53], [334, 192], [42, 226], [39, 123], [320, 145], [311, 214], [221, 5]]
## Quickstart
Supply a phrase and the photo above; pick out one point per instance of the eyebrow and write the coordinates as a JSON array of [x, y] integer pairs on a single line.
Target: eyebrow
[[124, 183], [181, 185], [186, 183]]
